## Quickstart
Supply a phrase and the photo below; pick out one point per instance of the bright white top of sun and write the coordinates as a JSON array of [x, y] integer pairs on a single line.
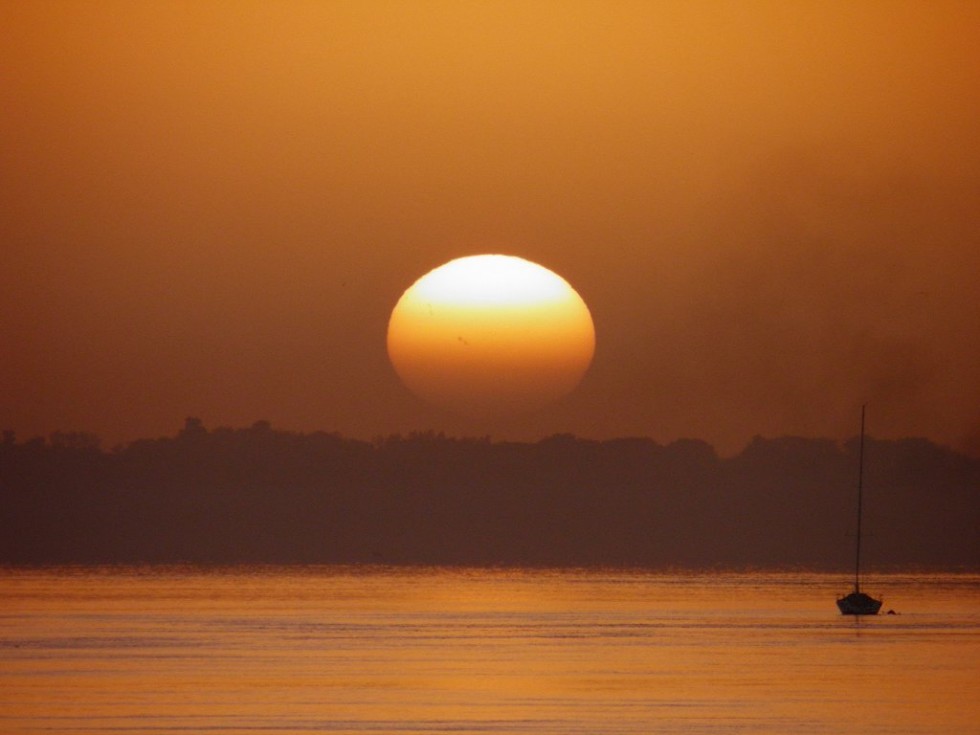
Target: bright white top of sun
[[491, 279]]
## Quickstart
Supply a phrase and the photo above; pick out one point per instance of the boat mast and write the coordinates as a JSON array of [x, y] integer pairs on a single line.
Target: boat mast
[[857, 553]]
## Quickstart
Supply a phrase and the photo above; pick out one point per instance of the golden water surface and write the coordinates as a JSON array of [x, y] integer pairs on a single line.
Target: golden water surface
[[343, 650]]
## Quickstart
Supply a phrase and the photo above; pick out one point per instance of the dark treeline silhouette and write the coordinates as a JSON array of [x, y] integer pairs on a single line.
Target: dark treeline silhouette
[[260, 495]]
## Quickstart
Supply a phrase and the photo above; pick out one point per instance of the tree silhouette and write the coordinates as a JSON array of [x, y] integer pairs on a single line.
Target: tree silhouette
[[264, 495]]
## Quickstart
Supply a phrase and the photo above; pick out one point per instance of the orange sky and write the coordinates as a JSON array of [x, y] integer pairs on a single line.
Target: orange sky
[[771, 209]]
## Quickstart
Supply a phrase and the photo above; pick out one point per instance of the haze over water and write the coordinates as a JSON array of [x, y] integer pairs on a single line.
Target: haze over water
[[432, 650]]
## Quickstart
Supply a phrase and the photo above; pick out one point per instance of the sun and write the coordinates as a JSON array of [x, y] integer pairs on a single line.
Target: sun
[[491, 335]]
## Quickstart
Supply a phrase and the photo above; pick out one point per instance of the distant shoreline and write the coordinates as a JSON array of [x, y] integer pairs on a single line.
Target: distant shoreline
[[263, 496]]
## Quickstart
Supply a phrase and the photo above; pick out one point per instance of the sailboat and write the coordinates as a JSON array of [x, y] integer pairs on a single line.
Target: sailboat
[[857, 602]]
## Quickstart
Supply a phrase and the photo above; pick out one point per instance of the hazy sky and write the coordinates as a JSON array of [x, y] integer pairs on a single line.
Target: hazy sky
[[772, 209]]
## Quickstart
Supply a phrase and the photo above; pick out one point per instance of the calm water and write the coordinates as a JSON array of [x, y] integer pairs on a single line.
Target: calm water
[[337, 650]]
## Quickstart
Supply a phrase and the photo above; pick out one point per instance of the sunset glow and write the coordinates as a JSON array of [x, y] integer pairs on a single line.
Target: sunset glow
[[491, 335], [211, 208], [399, 366]]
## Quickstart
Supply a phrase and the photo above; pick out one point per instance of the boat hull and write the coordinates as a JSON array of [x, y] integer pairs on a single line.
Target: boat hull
[[858, 603]]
